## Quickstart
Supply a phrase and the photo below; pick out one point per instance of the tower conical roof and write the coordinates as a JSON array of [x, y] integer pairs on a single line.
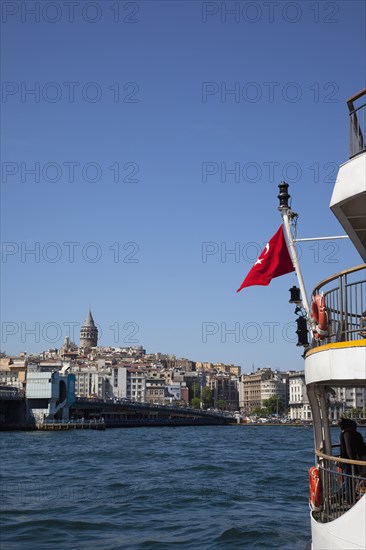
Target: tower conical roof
[[89, 320]]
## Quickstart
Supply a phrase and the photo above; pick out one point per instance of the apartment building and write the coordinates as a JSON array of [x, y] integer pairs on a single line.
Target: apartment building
[[299, 407]]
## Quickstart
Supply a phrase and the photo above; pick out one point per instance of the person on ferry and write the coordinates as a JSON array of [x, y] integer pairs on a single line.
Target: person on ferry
[[352, 447], [351, 441]]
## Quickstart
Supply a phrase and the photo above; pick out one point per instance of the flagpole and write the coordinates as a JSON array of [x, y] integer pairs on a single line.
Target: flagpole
[[286, 215], [320, 239]]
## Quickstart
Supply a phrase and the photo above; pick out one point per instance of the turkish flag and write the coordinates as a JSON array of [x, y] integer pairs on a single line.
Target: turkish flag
[[274, 261]]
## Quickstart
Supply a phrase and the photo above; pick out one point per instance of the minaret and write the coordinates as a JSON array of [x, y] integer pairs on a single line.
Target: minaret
[[89, 333]]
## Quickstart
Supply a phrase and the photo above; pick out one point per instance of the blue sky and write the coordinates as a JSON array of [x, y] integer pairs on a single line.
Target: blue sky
[[116, 169]]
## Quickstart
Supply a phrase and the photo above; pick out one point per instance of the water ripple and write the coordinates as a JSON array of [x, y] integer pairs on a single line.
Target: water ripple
[[206, 488]]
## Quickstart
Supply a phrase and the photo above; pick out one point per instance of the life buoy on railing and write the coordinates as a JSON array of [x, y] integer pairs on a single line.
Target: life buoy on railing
[[319, 314], [315, 489]]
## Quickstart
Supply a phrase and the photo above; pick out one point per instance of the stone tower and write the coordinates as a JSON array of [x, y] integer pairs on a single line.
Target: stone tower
[[89, 333]]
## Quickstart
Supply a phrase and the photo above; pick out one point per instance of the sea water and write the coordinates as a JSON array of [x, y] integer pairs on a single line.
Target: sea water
[[217, 487]]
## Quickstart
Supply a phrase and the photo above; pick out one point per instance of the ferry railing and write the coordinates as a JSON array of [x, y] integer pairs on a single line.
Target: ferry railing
[[357, 124], [343, 483], [345, 298]]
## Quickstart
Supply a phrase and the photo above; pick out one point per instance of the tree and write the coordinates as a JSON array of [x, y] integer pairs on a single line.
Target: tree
[[357, 413], [195, 389], [196, 402], [206, 396], [221, 404], [273, 405]]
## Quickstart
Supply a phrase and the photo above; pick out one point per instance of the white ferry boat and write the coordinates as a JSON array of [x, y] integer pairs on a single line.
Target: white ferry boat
[[336, 359]]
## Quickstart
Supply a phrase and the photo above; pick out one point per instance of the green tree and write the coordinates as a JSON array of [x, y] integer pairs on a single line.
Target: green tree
[[221, 404], [273, 405], [206, 396], [357, 413], [194, 390], [196, 402]]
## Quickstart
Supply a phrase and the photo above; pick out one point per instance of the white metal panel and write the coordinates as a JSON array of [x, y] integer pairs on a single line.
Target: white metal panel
[[348, 532], [351, 180], [336, 364]]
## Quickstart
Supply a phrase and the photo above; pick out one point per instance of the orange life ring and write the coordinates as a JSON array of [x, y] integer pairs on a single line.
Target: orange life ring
[[320, 315], [315, 489]]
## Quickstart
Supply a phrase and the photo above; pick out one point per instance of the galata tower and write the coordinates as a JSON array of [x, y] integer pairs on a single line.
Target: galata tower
[[89, 333]]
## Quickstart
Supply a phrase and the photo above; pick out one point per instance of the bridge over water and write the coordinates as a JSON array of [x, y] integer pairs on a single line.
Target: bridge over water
[[125, 413], [113, 413]]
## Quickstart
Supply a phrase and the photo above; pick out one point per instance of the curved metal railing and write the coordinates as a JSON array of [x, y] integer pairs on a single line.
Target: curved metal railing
[[345, 298], [357, 124], [341, 487]]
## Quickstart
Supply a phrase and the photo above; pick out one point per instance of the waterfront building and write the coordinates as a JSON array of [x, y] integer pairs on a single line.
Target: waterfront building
[[13, 371], [225, 389], [91, 382], [136, 385], [155, 390], [49, 393], [276, 386], [250, 389], [195, 381], [347, 401], [184, 394], [11, 378], [119, 381], [130, 382], [88, 334], [299, 407], [257, 387]]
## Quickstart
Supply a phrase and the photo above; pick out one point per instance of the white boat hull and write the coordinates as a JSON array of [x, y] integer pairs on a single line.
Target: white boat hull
[[344, 533]]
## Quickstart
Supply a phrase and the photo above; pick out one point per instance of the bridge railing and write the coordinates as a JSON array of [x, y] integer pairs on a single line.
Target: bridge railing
[[74, 421], [143, 405]]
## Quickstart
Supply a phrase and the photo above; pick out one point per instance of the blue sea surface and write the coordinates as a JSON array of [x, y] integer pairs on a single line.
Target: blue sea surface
[[217, 487]]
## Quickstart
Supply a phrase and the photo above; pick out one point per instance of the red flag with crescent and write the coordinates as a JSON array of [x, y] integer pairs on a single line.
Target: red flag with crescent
[[273, 261]]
